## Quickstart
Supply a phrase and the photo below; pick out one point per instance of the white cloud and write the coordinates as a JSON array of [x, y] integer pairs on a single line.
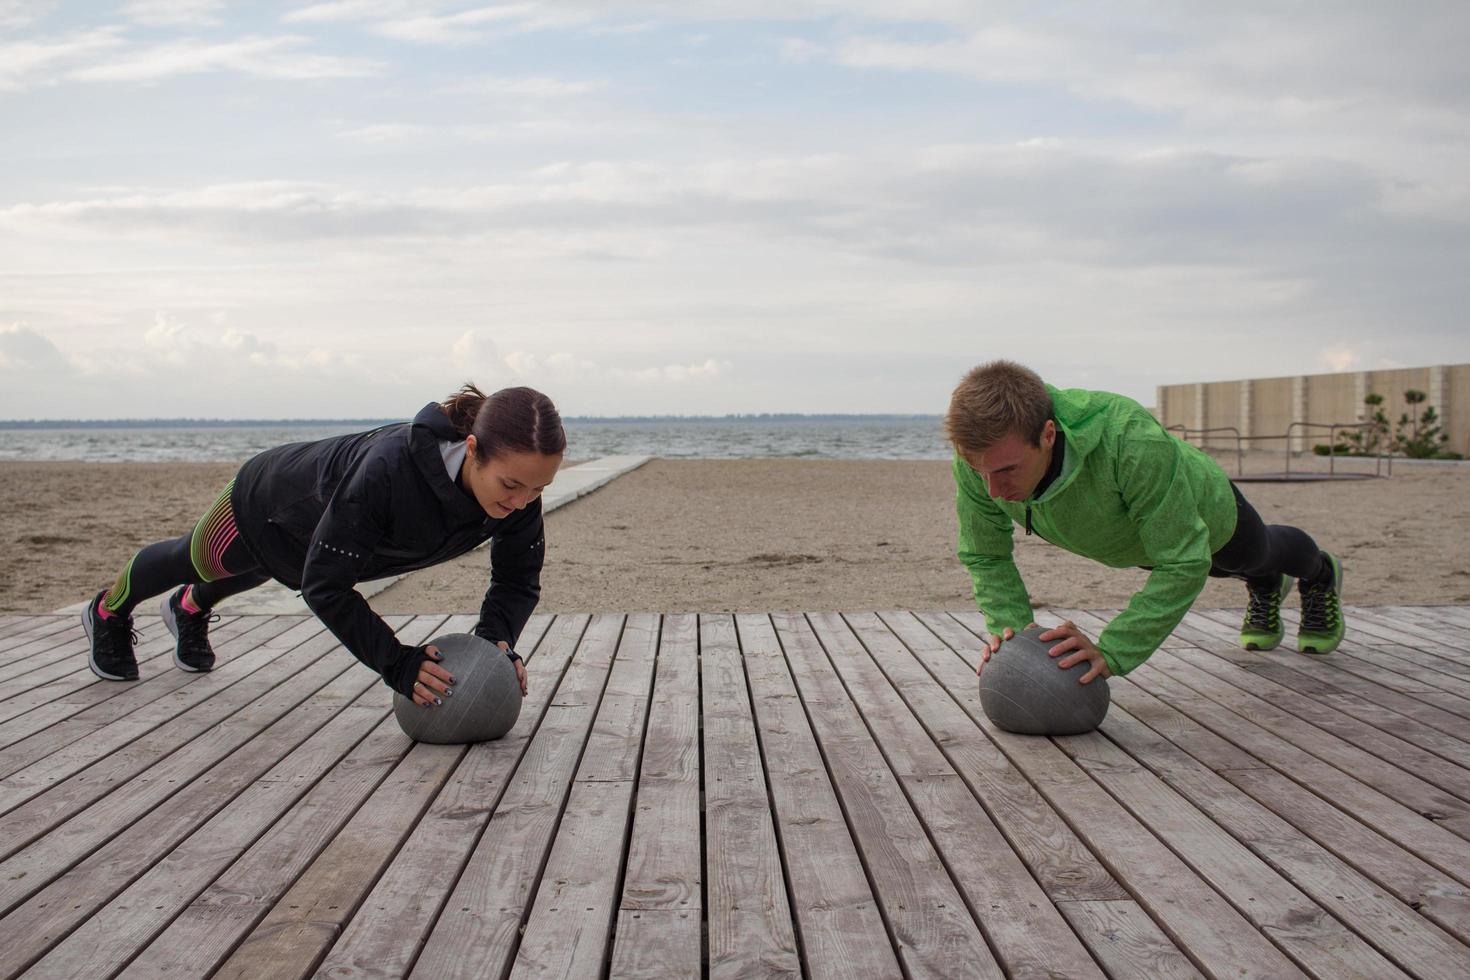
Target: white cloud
[[29, 62], [174, 13], [23, 351], [524, 87], [263, 57]]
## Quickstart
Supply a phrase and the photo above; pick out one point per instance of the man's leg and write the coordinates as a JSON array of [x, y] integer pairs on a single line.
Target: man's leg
[[1268, 557]]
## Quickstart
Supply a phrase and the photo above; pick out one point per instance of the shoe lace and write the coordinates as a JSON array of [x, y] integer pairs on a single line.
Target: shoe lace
[[194, 628], [1263, 609], [120, 632], [1320, 609]]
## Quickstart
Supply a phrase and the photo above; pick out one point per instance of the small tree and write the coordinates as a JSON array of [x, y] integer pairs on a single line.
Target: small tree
[[1419, 435], [1367, 440]]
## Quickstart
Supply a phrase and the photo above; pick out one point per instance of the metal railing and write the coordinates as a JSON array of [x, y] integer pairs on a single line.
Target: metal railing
[[1332, 429], [1239, 451]]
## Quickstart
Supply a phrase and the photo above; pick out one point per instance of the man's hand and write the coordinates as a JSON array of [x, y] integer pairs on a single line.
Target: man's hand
[[434, 683], [519, 664], [1078, 648], [992, 645]]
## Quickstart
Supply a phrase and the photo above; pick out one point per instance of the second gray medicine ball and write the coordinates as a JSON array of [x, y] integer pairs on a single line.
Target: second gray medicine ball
[[486, 700], [1023, 690]]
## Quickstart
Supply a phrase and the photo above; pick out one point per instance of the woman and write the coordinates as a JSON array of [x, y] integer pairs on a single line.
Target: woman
[[322, 516]]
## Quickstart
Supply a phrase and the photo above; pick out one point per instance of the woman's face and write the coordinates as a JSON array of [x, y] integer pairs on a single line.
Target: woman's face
[[505, 483]]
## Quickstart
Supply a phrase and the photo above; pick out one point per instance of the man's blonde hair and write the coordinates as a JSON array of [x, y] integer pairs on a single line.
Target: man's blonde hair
[[993, 401]]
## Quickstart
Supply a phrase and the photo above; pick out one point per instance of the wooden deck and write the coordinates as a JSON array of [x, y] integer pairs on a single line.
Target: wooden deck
[[739, 796]]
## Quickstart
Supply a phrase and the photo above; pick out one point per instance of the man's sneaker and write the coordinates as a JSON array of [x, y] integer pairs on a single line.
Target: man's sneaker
[[1322, 623], [111, 641], [192, 651], [1262, 629]]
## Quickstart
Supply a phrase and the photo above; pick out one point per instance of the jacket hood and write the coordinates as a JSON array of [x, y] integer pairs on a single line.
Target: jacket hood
[[429, 428], [1079, 414]]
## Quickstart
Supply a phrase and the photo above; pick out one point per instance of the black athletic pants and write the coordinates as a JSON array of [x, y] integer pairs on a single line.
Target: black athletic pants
[[1259, 552]]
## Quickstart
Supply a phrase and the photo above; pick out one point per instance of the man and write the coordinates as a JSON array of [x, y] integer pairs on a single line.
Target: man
[[1095, 473]]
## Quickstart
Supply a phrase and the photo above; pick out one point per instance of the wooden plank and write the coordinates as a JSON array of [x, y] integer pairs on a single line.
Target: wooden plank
[[66, 649], [359, 745], [1204, 925], [1323, 680], [571, 919], [34, 628], [1388, 924], [1434, 844], [1293, 916], [1446, 776], [654, 944], [207, 929], [51, 914], [42, 707], [661, 909], [1453, 814], [1372, 664], [1438, 647], [840, 929], [297, 930], [1404, 718], [57, 751], [196, 740], [1084, 892], [195, 794], [385, 934], [1409, 879], [748, 915], [926, 915], [477, 930], [1028, 934], [64, 669]]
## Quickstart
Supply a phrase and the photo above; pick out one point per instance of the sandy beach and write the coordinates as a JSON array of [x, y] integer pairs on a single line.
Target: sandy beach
[[723, 535]]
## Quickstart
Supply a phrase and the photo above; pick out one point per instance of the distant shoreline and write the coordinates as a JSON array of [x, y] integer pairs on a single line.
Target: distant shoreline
[[185, 423]]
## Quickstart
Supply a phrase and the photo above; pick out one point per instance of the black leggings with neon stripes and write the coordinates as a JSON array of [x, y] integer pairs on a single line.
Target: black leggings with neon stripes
[[212, 559]]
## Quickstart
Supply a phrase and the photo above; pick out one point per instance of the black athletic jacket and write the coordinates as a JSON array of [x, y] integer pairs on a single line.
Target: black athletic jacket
[[322, 516]]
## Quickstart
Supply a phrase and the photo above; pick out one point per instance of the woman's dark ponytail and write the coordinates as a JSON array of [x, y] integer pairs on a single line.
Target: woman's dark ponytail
[[462, 407], [513, 420]]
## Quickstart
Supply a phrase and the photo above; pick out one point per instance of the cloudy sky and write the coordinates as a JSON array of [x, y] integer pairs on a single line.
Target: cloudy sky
[[673, 206]]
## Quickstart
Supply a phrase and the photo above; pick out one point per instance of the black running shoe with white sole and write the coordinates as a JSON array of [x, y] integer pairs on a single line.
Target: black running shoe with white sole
[[192, 651], [111, 643]]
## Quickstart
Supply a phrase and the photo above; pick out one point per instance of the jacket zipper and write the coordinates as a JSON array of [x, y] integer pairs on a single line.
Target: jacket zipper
[[1028, 520]]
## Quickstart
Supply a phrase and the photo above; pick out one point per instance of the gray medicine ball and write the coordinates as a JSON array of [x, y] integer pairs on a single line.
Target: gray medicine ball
[[1023, 690], [486, 699]]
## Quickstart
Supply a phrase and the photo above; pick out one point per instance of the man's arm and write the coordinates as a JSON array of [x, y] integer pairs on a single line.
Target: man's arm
[[986, 547], [1163, 508]]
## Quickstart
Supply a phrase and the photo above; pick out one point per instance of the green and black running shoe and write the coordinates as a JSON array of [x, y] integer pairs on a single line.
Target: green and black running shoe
[[1262, 629], [1322, 623]]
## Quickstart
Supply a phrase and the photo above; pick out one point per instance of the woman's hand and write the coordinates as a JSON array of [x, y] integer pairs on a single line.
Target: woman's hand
[[434, 683], [520, 666], [1073, 639]]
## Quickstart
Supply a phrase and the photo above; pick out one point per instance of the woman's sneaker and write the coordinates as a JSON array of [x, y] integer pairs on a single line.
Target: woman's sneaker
[[1262, 629], [1322, 626], [192, 651], [111, 641]]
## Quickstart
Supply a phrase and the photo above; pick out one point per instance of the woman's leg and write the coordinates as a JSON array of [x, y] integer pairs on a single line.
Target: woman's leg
[[211, 558]]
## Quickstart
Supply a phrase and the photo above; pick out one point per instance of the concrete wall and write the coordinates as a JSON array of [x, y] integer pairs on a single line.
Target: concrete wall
[[1265, 407]]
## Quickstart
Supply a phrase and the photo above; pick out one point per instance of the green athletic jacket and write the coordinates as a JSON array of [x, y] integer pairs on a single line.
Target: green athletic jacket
[[1129, 494]]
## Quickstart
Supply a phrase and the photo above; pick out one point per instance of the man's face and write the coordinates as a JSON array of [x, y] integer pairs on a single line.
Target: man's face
[[1013, 467]]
